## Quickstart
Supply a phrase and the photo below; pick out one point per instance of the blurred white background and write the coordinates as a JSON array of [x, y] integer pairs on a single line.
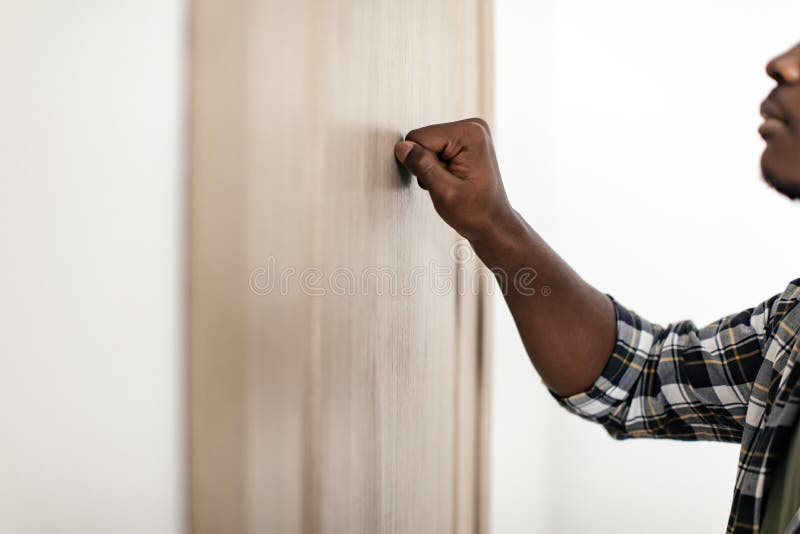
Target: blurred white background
[[626, 135], [90, 329]]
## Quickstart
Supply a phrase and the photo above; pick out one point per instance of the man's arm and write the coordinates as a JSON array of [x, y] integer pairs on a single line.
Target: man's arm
[[569, 334], [600, 359]]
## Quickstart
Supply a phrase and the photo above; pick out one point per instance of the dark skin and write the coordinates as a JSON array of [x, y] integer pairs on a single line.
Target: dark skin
[[570, 334]]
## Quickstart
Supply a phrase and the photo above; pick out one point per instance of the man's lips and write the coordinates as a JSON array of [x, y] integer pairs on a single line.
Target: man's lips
[[772, 110], [775, 117]]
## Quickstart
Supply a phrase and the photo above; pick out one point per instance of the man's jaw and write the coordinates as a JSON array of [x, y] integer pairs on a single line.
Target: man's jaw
[[787, 187]]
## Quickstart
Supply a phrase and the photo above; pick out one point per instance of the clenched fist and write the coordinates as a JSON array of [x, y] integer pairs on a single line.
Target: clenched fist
[[455, 162]]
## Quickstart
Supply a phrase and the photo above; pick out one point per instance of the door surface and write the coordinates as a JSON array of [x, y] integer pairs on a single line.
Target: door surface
[[336, 369]]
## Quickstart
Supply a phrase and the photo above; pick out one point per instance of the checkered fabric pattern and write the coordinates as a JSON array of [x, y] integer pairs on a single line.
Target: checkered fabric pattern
[[732, 380]]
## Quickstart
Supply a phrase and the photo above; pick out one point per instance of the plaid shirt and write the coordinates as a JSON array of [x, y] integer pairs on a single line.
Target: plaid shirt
[[732, 380]]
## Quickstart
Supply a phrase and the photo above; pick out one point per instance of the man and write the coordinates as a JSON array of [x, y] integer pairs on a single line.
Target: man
[[732, 380]]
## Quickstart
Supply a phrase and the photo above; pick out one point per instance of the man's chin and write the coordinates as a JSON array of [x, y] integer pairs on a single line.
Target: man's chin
[[780, 182]]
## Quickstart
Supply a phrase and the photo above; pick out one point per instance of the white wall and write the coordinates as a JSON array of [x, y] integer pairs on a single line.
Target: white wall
[[626, 135], [90, 257]]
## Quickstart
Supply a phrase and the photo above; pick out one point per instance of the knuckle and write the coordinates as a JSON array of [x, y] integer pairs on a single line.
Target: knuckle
[[414, 134], [427, 167], [481, 122], [420, 162], [448, 197], [418, 135], [476, 133]]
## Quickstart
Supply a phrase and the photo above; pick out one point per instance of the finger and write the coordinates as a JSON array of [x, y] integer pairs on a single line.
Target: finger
[[424, 164], [448, 139]]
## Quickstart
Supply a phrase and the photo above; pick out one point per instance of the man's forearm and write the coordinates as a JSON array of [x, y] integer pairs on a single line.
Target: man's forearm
[[569, 333]]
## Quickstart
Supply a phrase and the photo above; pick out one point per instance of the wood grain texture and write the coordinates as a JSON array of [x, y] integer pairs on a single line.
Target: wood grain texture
[[336, 380]]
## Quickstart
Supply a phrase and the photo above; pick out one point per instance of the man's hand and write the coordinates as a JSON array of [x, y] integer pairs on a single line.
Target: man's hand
[[456, 163]]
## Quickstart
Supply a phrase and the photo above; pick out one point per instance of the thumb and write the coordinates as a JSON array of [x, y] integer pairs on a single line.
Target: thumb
[[423, 164]]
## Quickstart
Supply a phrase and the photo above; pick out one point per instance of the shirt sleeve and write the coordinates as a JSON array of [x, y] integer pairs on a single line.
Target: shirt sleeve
[[678, 381]]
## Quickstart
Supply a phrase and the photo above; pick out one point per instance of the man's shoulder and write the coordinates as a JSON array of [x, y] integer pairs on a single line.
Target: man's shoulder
[[784, 302]]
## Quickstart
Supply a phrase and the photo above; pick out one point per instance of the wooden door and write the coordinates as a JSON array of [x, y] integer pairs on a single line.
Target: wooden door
[[335, 385]]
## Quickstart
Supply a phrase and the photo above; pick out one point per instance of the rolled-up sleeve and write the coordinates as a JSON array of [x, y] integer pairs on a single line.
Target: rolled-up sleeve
[[677, 381]]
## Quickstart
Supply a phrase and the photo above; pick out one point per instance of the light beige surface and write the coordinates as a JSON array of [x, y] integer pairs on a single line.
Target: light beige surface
[[330, 413]]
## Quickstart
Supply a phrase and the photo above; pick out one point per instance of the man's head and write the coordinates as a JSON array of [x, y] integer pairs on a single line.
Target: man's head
[[780, 162]]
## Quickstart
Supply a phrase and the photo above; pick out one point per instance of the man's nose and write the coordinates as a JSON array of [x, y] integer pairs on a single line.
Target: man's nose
[[785, 69]]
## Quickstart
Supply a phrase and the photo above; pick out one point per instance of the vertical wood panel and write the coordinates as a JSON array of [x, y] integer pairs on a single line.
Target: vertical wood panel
[[355, 412], [282, 176], [217, 340]]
